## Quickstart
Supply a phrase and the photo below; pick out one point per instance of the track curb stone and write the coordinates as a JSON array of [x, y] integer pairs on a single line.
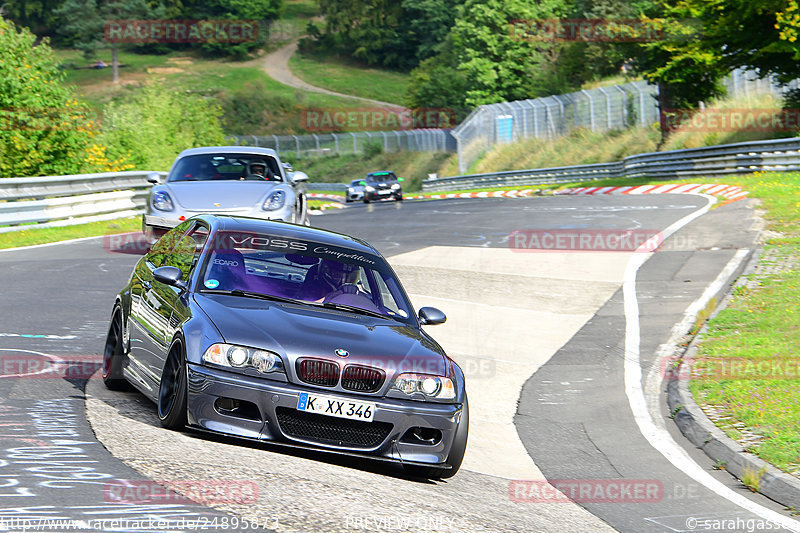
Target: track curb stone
[[703, 433]]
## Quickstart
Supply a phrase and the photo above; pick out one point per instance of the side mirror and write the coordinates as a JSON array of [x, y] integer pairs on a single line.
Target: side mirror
[[154, 178], [429, 316], [400, 179], [298, 177], [362, 182], [170, 275]]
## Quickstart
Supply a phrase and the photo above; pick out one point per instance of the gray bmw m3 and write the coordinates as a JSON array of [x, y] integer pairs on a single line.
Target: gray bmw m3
[[284, 333]]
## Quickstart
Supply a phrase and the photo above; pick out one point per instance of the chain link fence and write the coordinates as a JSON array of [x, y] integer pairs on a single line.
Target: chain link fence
[[600, 109], [603, 108], [322, 144]]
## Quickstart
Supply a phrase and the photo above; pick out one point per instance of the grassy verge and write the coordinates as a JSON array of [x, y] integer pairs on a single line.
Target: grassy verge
[[345, 76], [749, 373], [34, 235]]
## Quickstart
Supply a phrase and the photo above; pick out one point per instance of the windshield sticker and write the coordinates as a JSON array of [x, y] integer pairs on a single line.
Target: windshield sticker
[[212, 283]]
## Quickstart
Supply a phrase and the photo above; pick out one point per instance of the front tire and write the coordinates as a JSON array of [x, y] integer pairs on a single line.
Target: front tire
[[172, 390], [114, 354]]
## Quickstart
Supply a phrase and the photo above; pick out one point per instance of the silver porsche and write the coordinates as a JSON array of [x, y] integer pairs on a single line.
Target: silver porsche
[[225, 180]]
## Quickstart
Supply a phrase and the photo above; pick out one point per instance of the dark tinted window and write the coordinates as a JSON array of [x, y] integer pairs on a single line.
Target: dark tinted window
[[207, 167]]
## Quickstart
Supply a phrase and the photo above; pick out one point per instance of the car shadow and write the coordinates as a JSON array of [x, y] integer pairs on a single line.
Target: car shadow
[[134, 405]]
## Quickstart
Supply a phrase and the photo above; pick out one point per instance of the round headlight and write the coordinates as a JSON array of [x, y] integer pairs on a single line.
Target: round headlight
[[237, 356], [430, 386]]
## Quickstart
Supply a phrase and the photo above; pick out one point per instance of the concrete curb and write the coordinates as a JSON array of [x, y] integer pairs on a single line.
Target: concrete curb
[[703, 433]]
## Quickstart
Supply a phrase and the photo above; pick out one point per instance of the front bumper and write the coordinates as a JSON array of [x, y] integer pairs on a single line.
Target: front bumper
[[274, 401], [383, 194], [156, 225]]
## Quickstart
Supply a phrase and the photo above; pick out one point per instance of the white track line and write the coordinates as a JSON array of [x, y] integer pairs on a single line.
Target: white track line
[[656, 435]]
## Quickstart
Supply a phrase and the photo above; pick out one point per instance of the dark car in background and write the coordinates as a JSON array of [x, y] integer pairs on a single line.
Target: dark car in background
[[382, 185], [285, 333]]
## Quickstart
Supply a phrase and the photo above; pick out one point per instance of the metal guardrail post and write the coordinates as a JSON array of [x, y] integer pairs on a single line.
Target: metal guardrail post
[[297, 145]]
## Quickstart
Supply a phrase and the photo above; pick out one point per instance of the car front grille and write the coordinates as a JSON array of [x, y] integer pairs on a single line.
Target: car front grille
[[362, 378], [330, 430], [318, 372]]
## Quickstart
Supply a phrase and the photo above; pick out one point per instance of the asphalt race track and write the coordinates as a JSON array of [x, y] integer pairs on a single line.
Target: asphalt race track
[[546, 339]]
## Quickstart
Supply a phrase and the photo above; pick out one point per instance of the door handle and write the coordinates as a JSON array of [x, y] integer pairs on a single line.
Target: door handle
[[147, 285]]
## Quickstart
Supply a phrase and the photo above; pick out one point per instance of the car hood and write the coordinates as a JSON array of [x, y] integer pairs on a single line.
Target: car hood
[[298, 331], [195, 195]]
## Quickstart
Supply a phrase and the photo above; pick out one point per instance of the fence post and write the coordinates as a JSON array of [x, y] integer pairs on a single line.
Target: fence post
[[624, 104], [255, 140], [385, 142], [591, 108], [608, 108], [316, 142], [277, 144], [354, 143], [642, 119], [297, 145]]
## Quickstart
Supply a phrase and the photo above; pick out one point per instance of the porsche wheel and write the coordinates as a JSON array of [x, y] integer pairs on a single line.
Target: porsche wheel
[[113, 354], [172, 390]]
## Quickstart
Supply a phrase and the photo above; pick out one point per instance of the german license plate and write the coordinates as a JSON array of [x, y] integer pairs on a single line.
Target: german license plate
[[386, 191], [332, 406]]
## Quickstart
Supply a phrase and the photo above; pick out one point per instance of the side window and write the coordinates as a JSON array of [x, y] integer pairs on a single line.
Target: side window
[[161, 249], [187, 250]]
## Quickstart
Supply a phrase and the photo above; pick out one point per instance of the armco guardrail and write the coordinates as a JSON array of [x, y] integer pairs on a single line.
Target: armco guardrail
[[739, 158], [66, 200]]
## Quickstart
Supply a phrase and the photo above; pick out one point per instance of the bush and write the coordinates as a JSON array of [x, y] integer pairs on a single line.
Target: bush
[[150, 127], [255, 110], [372, 149], [44, 130]]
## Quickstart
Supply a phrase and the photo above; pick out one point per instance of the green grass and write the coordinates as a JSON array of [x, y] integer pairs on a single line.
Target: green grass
[[759, 331], [34, 235], [345, 76], [278, 111]]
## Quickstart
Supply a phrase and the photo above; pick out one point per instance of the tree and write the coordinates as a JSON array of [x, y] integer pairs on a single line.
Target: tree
[[252, 10], [43, 128], [83, 21], [496, 60]]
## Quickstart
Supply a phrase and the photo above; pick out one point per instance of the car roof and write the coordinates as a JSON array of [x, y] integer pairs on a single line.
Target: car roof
[[273, 227], [254, 150]]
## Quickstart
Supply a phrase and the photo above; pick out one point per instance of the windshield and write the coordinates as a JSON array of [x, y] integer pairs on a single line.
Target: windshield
[[308, 272], [207, 167], [381, 177]]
